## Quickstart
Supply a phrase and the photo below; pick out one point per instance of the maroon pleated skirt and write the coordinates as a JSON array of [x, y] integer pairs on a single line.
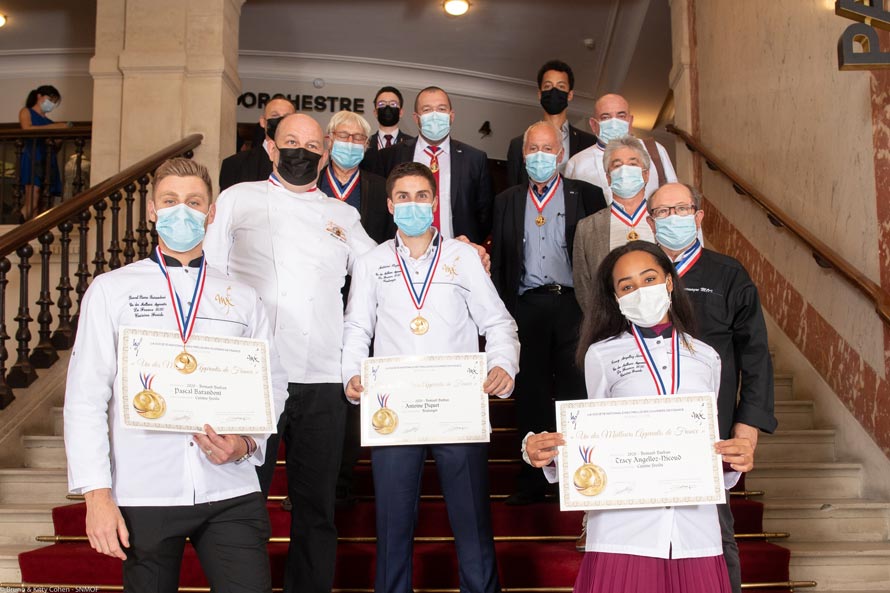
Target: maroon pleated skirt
[[623, 573]]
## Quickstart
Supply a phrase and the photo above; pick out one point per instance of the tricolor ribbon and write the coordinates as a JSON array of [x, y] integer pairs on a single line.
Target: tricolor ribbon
[[185, 321], [586, 453], [546, 195], [653, 367], [382, 400], [628, 219], [147, 379], [419, 298], [688, 258], [342, 192]]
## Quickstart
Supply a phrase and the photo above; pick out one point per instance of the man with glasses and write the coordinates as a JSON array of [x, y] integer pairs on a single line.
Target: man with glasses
[[556, 84], [612, 119], [729, 319], [460, 171], [347, 137], [388, 110]]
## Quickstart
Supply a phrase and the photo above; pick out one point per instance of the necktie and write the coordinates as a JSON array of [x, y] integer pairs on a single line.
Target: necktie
[[432, 151], [388, 139]]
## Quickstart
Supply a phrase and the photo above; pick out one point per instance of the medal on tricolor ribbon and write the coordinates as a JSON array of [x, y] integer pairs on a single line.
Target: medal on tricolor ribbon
[[419, 325], [688, 258], [660, 385], [185, 362], [148, 403], [589, 479], [384, 420], [541, 202], [342, 192], [630, 220]]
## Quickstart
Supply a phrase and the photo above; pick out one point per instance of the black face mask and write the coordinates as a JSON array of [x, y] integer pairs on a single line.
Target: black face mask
[[388, 116], [298, 166], [271, 124], [554, 101]]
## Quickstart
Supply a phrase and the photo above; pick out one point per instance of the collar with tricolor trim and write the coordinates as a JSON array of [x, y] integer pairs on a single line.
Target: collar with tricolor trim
[[277, 183]]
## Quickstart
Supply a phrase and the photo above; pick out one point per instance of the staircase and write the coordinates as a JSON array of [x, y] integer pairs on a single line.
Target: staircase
[[837, 538]]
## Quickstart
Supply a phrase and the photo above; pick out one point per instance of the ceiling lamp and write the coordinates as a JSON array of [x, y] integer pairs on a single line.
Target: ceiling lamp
[[456, 7], [3, 19]]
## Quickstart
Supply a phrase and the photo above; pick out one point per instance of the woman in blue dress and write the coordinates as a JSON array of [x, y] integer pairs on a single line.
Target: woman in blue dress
[[40, 102]]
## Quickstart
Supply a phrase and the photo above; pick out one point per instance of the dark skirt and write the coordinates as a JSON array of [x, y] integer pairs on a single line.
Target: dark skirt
[[623, 573]]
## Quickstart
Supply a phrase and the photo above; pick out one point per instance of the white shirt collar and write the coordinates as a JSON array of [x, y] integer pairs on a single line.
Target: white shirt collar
[[403, 251], [444, 146]]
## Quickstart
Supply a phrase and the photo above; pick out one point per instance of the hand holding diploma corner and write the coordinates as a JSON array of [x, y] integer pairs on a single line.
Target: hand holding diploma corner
[[498, 382]]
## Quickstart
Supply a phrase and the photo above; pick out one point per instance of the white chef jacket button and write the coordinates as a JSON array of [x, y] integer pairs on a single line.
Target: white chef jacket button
[[305, 333], [191, 443]]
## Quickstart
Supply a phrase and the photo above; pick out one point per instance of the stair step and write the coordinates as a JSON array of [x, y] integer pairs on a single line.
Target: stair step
[[9, 560], [797, 445], [45, 452], [34, 485], [828, 519], [784, 386], [842, 566], [794, 415], [21, 523], [806, 480], [58, 421]]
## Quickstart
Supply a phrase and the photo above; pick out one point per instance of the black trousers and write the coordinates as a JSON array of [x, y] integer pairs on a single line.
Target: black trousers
[[730, 547], [548, 332], [352, 450], [312, 427], [230, 537]]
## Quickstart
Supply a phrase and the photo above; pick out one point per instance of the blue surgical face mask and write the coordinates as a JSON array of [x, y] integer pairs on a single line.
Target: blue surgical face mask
[[47, 105], [611, 129], [180, 227], [540, 166], [435, 125], [413, 218], [675, 232], [346, 154], [627, 181]]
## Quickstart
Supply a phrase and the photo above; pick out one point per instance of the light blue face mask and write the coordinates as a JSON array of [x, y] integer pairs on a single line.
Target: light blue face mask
[[180, 227], [346, 154], [627, 181], [435, 125], [413, 218], [540, 166], [675, 232], [47, 105], [611, 129]]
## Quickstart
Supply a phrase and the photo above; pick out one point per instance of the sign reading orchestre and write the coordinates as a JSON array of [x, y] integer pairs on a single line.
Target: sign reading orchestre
[[413, 400], [639, 452], [226, 383]]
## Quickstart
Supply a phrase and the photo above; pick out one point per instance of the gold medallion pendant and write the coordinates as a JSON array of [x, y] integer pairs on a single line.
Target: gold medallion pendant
[[419, 326], [540, 220], [590, 479], [434, 166], [385, 421], [185, 363], [149, 404], [632, 235]]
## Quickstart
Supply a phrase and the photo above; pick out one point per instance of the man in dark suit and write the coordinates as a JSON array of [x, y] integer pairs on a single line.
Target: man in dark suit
[[388, 109], [531, 266], [556, 83], [254, 164], [461, 171]]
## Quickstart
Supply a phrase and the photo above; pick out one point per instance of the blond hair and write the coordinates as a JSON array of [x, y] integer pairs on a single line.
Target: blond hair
[[182, 167]]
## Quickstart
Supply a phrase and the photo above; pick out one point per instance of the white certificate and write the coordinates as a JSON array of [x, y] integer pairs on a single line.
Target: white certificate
[[230, 389], [413, 400], [639, 452]]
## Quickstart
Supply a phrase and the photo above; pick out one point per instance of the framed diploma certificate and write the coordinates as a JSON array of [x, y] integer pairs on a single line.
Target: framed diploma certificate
[[414, 400], [227, 383], [639, 452]]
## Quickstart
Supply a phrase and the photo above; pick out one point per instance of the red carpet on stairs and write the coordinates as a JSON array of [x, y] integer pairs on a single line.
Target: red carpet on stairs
[[523, 564]]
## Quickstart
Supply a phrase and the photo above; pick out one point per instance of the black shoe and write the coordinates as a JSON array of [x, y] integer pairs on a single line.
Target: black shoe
[[521, 498]]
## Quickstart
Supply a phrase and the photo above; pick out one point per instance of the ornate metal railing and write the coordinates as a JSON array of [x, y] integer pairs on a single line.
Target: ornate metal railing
[[130, 239], [824, 255]]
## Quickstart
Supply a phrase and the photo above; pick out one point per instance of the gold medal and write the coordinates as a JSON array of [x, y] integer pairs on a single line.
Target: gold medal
[[434, 166], [590, 479], [540, 220], [385, 421], [185, 363], [419, 325], [149, 404], [632, 235]]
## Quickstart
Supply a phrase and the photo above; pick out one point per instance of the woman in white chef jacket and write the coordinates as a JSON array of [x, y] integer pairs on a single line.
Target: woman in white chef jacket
[[639, 317]]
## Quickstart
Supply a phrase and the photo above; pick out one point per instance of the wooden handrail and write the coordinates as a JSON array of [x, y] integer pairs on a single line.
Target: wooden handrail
[[49, 220], [824, 255], [78, 131]]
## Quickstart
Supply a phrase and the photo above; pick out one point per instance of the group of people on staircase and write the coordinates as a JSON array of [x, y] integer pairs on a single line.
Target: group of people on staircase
[[594, 232]]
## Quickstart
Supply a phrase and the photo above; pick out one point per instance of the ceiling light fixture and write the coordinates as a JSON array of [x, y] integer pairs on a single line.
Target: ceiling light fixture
[[456, 7], [2, 19]]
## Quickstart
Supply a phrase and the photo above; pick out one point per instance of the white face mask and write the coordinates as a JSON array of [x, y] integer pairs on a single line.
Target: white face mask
[[646, 306]]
